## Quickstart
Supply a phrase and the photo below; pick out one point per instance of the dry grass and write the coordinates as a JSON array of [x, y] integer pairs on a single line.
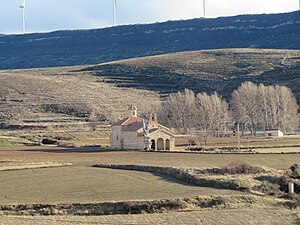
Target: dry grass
[[12, 165], [225, 217], [259, 143], [150, 206], [54, 184], [82, 184], [56, 102]]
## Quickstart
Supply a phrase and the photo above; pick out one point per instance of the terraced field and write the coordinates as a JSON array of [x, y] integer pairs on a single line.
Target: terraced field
[[58, 103]]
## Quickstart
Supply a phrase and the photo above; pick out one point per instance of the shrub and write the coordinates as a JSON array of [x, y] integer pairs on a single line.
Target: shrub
[[48, 141], [240, 168], [295, 171], [269, 188]]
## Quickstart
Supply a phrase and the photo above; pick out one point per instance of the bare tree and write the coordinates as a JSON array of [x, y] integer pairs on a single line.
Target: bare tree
[[279, 108], [212, 114], [180, 110], [244, 106], [271, 107]]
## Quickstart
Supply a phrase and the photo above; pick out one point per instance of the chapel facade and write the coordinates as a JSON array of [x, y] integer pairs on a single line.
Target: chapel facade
[[129, 133]]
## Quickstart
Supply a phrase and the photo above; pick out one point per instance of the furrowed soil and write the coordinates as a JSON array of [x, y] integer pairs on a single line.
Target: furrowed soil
[[91, 156]]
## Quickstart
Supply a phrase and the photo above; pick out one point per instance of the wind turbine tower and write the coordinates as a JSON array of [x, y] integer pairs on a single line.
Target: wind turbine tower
[[23, 7], [204, 8], [114, 12]]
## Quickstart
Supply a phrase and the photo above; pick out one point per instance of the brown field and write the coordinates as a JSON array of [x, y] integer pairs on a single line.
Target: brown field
[[91, 156], [80, 183], [288, 141]]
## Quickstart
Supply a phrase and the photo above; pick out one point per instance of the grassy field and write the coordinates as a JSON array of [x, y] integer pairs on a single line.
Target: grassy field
[[81, 184]]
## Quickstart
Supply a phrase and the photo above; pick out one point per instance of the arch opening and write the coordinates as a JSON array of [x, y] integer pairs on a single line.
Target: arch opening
[[168, 145], [160, 144], [152, 144]]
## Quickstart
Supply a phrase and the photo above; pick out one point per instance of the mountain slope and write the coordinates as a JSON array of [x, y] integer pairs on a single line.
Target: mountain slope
[[81, 47], [205, 71], [57, 102]]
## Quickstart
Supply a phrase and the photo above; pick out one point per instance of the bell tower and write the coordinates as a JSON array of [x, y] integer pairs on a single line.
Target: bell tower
[[153, 120], [132, 111]]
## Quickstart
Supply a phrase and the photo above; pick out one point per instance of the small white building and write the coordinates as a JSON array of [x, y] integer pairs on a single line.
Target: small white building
[[128, 133], [274, 133]]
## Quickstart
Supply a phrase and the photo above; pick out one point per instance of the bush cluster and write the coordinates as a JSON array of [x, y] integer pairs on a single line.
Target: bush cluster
[[239, 168]]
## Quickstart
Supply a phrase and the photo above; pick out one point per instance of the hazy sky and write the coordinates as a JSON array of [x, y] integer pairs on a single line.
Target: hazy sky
[[49, 15]]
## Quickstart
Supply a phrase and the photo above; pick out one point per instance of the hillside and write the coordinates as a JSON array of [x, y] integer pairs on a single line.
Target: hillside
[[209, 71], [81, 47], [57, 102]]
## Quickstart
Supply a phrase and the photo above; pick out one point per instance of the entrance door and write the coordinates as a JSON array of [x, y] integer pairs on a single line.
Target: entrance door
[[153, 144]]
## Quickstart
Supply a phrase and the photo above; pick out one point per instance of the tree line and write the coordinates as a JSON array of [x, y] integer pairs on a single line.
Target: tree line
[[251, 106]]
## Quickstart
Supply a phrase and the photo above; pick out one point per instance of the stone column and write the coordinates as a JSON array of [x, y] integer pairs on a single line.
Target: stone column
[[291, 187]]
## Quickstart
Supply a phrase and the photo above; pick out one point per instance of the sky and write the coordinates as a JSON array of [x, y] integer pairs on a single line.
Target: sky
[[50, 15]]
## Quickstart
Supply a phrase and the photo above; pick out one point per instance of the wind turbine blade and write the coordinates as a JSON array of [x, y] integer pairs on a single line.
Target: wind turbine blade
[[114, 12]]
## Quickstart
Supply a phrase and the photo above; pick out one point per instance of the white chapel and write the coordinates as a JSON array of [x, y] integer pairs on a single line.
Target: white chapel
[[128, 133]]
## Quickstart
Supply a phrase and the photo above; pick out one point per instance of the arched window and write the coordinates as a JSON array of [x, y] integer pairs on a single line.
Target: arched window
[[160, 144], [168, 144]]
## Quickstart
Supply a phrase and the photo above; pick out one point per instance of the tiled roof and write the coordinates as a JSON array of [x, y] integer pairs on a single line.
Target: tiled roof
[[133, 127], [136, 123], [161, 129], [127, 121], [120, 122], [153, 130]]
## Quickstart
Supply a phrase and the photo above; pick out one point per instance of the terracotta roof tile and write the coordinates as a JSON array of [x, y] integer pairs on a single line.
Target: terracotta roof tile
[[127, 121], [133, 127], [120, 122], [132, 120], [136, 123]]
